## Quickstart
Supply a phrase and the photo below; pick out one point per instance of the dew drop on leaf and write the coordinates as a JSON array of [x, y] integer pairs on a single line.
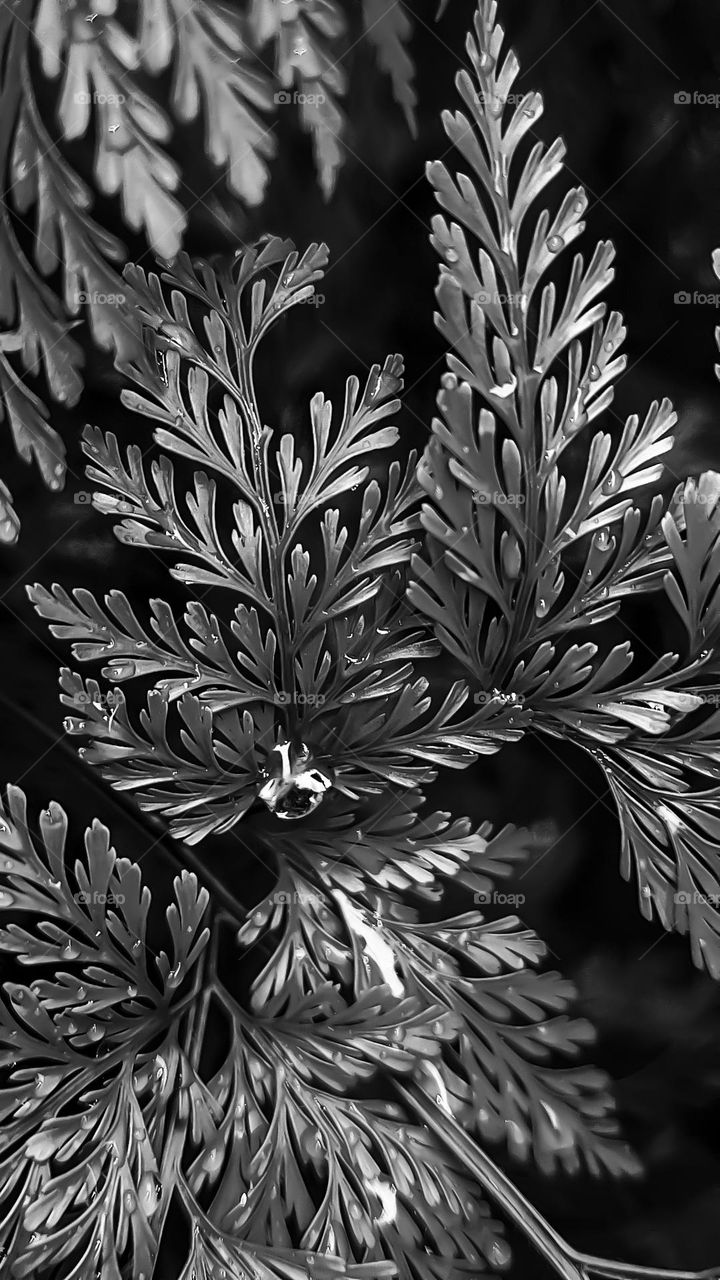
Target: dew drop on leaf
[[612, 482], [149, 1193], [594, 373], [499, 1255], [555, 243], [451, 256], [541, 607], [6, 899], [504, 389]]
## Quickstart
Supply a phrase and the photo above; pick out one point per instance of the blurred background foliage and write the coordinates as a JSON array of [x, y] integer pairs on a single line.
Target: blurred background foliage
[[651, 165]]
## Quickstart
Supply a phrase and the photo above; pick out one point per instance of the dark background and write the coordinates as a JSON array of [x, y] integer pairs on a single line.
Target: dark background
[[651, 166]]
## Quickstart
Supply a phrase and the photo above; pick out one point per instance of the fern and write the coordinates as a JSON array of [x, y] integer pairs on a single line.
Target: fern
[[301, 702], [521, 550], [231, 1083], [99, 61], [110, 1123], [327, 648]]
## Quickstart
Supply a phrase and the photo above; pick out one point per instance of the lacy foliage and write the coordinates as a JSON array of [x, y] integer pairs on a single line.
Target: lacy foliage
[[230, 69], [113, 1122], [322, 644], [534, 532]]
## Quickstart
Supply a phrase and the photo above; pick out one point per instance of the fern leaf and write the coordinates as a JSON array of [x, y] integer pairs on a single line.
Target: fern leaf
[[108, 1119], [318, 650], [389, 28], [522, 550]]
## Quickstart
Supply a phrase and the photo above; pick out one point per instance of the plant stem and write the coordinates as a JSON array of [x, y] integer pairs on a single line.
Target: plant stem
[[565, 1261]]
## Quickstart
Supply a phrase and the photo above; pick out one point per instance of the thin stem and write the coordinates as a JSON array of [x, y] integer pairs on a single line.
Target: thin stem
[[565, 1261]]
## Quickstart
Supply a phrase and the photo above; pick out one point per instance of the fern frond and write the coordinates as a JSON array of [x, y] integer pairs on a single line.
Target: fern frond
[[531, 528], [89, 1048], [108, 1119], [511, 534], [498, 1025], [389, 28], [320, 649], [103, 69]]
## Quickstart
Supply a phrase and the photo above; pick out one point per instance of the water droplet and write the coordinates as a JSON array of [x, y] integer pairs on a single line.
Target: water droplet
[[612, 482], [451, 256], [449, 381], [555, 243], [149, 1193], [6, 899], [504, 389], [594, 373], [130, 1202], [499, 1254], [541, 608]]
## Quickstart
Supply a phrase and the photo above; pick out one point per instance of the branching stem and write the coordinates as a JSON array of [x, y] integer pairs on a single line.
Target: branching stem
[[566, 1261]]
